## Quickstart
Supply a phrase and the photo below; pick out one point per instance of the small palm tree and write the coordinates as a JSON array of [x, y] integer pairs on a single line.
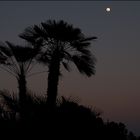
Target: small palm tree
[[17, 60], [61, 44]]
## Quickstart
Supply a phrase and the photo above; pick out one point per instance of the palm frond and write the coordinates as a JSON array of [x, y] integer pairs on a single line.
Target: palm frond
[[88, 39], [22, 53], [43, 58], [11, 101], [66, 66], [29, 35], [3, 59], [85, 64], [5, 50], [83, 44], [61, 30], [52, 30]]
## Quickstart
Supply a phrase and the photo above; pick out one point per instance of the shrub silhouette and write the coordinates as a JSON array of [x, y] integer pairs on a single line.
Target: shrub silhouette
[[69, 118]]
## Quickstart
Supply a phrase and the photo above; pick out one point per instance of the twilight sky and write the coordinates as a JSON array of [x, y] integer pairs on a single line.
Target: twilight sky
[[115, 88]]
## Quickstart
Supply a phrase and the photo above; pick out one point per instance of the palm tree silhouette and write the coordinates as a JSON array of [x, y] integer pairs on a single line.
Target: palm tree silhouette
[[17, 60], [61, 44]]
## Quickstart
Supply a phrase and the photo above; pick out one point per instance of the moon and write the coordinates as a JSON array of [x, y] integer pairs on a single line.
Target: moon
[[108, 9]]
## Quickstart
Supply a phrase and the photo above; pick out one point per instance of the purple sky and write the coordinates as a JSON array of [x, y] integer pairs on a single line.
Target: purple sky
[[115, 89]]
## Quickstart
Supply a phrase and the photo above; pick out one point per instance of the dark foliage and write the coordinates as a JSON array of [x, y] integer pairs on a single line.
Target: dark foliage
[[17, 60], [61, 44], [68, 120], [53, 44]]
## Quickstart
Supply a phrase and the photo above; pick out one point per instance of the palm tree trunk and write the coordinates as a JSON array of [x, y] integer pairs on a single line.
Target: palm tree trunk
[[22, 93], [22, 89], [53, 80]]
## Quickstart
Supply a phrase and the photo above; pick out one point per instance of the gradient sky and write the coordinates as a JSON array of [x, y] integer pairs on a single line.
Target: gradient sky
[[115, 89]]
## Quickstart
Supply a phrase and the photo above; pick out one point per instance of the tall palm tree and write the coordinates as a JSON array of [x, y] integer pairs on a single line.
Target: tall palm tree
[[61, 44], [17, 60]]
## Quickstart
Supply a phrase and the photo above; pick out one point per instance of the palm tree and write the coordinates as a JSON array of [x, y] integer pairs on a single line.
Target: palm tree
[[17, 60], [61, 44]]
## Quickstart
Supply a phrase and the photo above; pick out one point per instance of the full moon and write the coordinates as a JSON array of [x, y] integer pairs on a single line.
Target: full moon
[[108, 9]]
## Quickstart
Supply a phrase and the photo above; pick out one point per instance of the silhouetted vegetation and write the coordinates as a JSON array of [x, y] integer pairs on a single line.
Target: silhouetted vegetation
[[69, 118], [52, 43], [17, 60], [61, 44]]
